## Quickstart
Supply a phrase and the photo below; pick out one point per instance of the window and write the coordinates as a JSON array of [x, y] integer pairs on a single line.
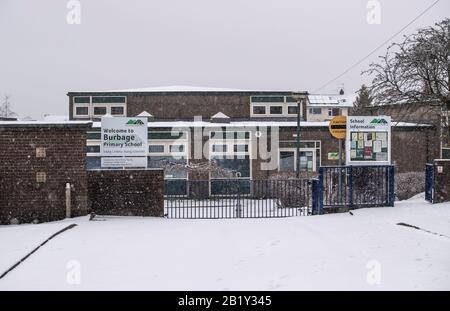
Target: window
[[279, 106], [176, 148], [82, 111], [174, 167], [94, 135], [276, 109], [232, 168], [117, 110], [267, 99], [228, 187], [290, 99], [287, 161], [93, 163], [175, 187], [93, 149], [108, 99], [307, 159], [292, 110], [230, 135], [166, 135], [219, 148], [240, 148], [156, 148], [334, 112], [315, 110], [99, 111], [259, 110], [82, 100]]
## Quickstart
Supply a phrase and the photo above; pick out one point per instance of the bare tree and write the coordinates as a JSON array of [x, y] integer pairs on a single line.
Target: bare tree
[[5, 108], [415, 70]]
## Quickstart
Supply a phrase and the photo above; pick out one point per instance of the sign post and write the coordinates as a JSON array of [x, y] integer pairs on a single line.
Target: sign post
[[338, 129], [124, 142]]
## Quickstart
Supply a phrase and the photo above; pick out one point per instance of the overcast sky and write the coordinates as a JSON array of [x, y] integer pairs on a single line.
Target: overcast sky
[[247, 44]]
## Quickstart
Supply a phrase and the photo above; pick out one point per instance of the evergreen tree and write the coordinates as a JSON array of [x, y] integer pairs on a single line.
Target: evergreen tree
[[363, 100]]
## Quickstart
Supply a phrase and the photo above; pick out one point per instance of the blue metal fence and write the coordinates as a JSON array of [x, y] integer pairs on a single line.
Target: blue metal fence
[[235, 198], [356, 186], [429, 183]]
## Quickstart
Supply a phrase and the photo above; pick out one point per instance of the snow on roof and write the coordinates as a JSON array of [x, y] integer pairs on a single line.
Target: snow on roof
[[144, 114], [43, 123], [188, 124], [186, 88], [53, 118], [220, 115], [332, 100]]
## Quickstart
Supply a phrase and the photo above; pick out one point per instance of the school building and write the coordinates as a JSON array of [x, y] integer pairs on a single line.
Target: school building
[[233, 126]]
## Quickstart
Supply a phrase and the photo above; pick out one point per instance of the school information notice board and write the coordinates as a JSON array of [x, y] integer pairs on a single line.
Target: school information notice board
[[368, 140], [124, 142]]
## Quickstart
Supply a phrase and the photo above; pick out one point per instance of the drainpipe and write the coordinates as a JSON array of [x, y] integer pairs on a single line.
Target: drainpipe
[[68, 201]]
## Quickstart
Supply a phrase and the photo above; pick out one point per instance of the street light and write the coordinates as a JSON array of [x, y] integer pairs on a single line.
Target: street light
[[298, 139]]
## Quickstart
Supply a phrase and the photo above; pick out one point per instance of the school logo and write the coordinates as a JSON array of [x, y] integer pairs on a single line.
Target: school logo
[[378, 121], [134, 122]]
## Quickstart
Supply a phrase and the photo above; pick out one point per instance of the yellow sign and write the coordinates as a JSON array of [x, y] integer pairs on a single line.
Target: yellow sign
[[338, 127]]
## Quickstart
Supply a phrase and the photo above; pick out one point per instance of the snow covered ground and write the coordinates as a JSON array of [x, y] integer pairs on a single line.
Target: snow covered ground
[[329, 252]]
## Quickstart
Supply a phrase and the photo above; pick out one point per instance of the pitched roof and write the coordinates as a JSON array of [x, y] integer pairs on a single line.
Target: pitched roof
[[332, 100]]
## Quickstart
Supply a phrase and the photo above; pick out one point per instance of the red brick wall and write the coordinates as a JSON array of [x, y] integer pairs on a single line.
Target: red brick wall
[[21, 196], [126, 193]]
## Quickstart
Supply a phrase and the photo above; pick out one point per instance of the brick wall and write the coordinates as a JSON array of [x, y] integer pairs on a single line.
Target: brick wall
[[441, 181], [184, 106], [22, 197], [126, 193]]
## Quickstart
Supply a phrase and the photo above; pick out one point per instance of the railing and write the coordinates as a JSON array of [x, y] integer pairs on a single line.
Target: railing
[[356, 186], [429, 183], [240, 198]]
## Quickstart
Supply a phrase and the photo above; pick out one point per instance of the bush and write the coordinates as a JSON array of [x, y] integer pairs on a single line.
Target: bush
[[409, 184]]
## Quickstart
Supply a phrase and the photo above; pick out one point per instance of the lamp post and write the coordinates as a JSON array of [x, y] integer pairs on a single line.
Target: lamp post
[[297, 160]]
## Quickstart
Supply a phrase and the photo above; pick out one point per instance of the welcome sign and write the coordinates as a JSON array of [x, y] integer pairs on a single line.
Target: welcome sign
[[123, 137], [368, 140]]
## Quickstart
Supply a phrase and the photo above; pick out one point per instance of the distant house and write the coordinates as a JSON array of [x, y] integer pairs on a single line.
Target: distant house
[[325, 107]]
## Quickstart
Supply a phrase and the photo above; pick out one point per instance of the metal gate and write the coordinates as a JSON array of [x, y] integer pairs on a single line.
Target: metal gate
[[229, 198], [356, 186], [429, 183]]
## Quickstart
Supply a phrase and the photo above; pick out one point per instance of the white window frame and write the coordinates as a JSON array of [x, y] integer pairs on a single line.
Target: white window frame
[[259, 114], [311, 111], [75, 106], [313, 150], [93, 143], [99, 106], [156, 153], [284, 109], [330, 111], [118, 106], [294, 114], [230, 152], [168, 142], [92, 105]]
